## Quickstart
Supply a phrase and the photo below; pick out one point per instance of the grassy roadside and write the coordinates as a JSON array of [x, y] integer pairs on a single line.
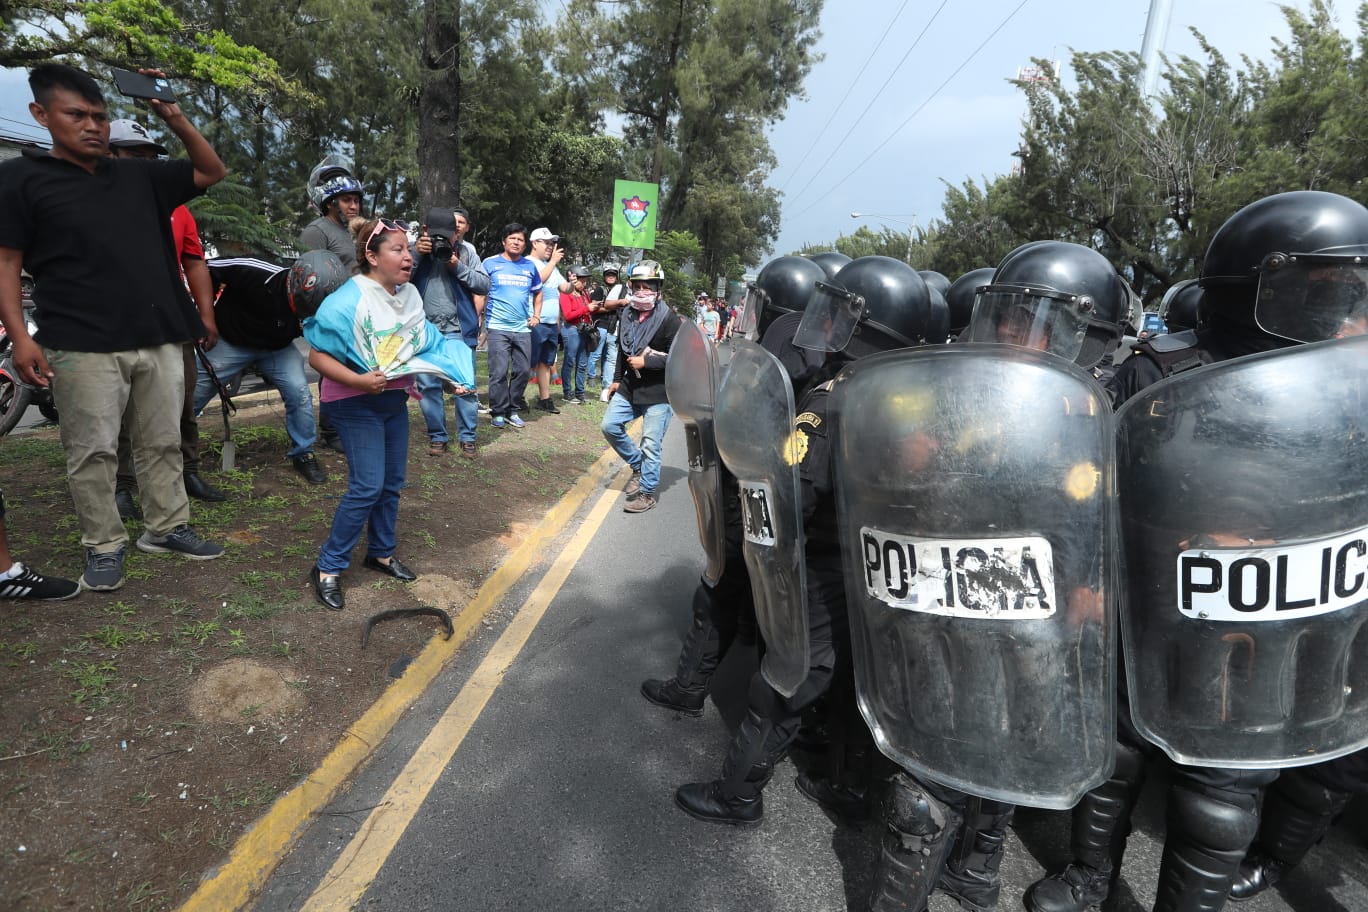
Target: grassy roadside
[[141, 731]]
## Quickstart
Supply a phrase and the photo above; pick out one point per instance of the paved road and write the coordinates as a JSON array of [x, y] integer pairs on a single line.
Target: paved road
[[560, 794]]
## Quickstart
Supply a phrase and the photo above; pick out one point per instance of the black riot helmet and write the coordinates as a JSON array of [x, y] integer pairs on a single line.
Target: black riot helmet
[[830, 261], [783, 286], [1294, 265], [934, 280], [1181, 307], [874, 304], [960, 297], [1055, 296]]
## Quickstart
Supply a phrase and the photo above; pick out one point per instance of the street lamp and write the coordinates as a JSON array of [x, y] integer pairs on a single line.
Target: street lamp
[[911, 226]]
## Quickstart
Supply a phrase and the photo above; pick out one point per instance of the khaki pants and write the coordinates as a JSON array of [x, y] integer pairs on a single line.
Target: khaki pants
[[92, 392], [189, 431]]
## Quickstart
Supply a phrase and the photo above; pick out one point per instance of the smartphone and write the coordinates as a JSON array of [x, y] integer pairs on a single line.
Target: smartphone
[[136, 85]]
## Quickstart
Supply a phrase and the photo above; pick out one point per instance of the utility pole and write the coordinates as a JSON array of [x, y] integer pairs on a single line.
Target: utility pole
[[1156, 37]]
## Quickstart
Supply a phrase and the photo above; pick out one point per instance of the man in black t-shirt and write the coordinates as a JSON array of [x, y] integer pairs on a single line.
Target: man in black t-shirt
[[258, 327], [111, 308]]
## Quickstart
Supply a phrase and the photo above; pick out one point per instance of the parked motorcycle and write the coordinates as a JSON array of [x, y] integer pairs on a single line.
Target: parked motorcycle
[[15, 395]]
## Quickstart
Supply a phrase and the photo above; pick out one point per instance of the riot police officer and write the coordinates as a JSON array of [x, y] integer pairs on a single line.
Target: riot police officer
[[894, 312], [723, 610], [959, 298], [940, 642], [1269, 280], [1180, 310]]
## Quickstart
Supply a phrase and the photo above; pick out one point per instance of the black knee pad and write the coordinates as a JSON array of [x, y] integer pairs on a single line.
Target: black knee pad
[[1218, 820], [1307, 789], [913, 811]]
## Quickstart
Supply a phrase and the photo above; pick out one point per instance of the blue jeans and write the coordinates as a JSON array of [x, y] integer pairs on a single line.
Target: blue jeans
[[607, 345], [645, 458], [284, 368], [574, 363], [433, 405], [374, 431]]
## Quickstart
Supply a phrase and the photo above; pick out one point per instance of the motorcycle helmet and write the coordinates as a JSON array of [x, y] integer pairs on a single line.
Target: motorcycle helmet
[[331, 178], [313, 277]]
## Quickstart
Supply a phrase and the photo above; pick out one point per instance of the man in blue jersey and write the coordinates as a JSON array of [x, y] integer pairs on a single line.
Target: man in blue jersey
[[511, 312]]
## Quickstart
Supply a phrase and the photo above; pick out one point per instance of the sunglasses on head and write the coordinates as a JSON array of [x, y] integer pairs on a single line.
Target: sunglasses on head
[[385, 224]]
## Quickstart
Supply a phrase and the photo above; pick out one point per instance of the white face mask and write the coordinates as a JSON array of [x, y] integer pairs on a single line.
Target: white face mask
[[643, 300]]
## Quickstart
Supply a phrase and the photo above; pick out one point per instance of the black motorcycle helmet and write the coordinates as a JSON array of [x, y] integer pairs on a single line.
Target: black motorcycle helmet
[[960, 297], [783, 286], [1181, 307], [874, 304], [1054, 296], [934, 280], [830, 261], [1293, 265]]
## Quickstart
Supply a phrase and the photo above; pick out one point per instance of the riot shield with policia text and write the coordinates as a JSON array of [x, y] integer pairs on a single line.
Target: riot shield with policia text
[[691, 380], [978, 534], [1244, 500], [754, 430]]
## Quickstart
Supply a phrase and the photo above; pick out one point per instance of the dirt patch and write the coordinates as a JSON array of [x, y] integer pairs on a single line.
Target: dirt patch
[[142, 731], [239, 688]]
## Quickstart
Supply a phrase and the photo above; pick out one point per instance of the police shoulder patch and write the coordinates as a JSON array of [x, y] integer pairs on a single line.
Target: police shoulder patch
[[809, 418], [795, 448]]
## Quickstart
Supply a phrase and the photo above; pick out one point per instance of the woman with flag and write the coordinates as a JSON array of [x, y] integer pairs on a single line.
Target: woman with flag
[[368, 340]]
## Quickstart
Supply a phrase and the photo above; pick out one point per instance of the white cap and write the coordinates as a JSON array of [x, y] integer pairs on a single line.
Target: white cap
[[130, 133], [544, 234]]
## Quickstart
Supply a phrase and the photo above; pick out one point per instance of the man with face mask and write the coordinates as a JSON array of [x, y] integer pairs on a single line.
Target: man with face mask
[[645, 334]]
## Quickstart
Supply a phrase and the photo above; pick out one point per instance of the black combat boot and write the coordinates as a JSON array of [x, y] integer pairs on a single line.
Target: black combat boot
[[1297, 813], [1101, 823], [971, 876], [919, 834], [736, 798], [698, 659]]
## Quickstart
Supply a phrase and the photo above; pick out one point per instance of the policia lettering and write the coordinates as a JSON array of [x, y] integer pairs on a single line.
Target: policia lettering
[[1263, 584], [1011, 577]]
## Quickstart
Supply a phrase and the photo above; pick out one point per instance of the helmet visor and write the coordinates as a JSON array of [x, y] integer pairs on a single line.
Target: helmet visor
[[748, 317], [1030, 317], [830, 319], [1313, 297]]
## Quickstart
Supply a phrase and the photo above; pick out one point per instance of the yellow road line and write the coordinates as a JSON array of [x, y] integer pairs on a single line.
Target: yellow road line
[[260, 849], [351, 875]]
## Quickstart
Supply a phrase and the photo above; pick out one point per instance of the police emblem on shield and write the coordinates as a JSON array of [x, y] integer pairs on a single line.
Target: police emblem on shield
[[634, 210]]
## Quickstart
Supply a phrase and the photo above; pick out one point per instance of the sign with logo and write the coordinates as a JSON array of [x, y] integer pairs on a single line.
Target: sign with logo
[[1274, 584], [1006, 578], [635, 210]]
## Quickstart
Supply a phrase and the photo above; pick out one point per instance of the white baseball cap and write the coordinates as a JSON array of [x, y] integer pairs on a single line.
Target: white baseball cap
[[130, 133], [544, 234]]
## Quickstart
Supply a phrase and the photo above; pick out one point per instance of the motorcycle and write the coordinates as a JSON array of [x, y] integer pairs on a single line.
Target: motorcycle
[[15, 395]]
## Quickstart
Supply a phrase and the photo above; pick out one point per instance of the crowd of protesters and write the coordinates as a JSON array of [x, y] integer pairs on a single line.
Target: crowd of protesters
[[130, 377]]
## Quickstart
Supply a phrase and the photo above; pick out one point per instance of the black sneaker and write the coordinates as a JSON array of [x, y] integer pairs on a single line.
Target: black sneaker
[[128, 507], [103, 570], [546, 405], [520, 404], [30, 584], [307, 465], [180, 540]]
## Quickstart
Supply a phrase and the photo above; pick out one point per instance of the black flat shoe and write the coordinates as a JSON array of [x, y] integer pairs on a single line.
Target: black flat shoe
[[393, 568], [328, 589]]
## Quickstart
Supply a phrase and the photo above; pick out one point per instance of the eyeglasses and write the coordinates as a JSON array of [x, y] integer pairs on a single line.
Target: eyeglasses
[[384, 224]]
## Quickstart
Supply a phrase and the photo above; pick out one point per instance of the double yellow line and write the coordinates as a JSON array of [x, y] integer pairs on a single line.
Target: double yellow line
[[259, 850]]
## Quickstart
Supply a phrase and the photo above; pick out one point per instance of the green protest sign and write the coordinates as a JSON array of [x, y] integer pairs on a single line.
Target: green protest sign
[[635, 206]]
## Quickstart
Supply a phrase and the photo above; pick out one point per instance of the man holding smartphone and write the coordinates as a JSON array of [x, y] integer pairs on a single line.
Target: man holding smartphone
[[547, 253], [113, 312]]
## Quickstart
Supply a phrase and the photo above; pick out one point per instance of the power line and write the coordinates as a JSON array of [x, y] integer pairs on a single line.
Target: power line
[[888, 30], [918, 110], [29, 127], [875, 97]]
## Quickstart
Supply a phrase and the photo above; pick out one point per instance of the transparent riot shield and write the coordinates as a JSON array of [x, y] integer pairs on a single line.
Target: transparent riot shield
[[691, 375], [1244, 502], [978, 531], [754, 429]]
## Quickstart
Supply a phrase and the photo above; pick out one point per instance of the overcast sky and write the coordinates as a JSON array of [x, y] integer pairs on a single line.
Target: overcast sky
[[943, 114], [970, 127]]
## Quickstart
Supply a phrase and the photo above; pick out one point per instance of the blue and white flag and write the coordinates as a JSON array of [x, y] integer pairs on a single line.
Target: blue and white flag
[[363, 325]]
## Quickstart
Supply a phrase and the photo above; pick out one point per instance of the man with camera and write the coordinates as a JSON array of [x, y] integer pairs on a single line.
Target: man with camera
[[451, 278]]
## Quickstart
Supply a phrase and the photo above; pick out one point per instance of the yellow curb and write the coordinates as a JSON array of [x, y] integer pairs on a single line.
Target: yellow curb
[[256, 854]]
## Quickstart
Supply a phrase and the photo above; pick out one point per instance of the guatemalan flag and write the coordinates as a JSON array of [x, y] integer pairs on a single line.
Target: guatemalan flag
[[364, 326]]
